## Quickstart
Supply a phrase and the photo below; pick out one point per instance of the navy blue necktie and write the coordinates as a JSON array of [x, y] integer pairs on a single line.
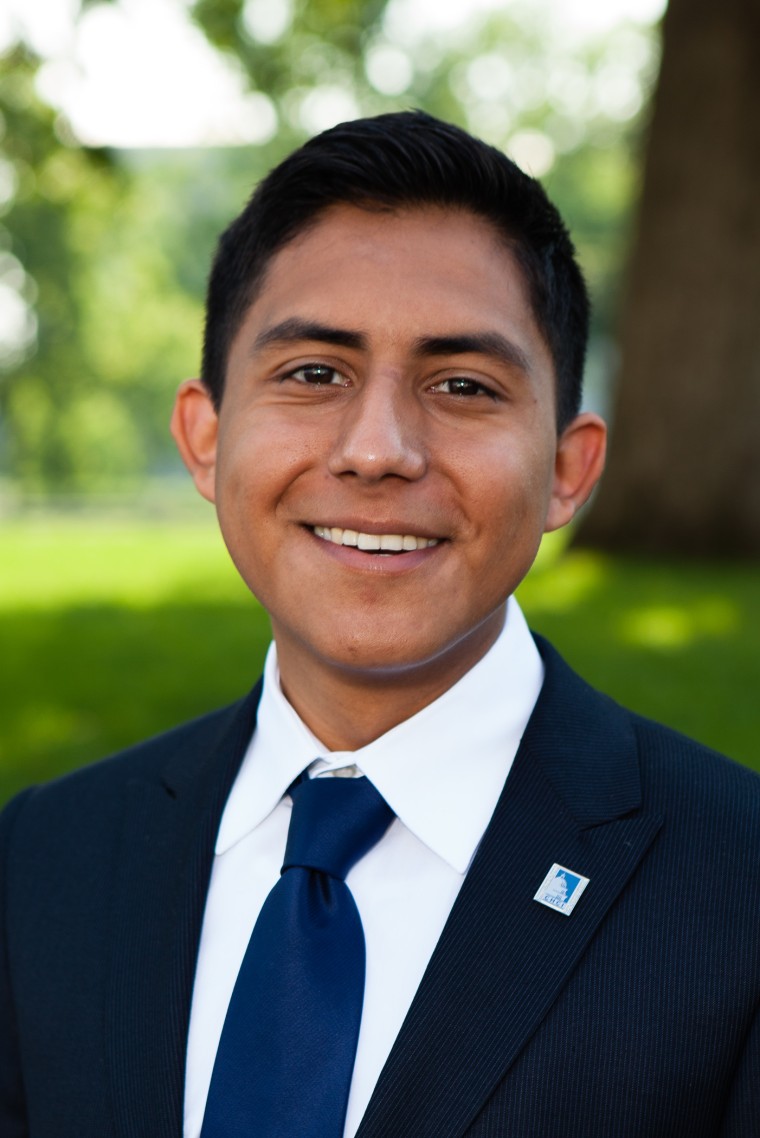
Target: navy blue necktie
[[287, 1050]]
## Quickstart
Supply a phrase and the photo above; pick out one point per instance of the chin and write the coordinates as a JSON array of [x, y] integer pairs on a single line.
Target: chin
[[385, 658]]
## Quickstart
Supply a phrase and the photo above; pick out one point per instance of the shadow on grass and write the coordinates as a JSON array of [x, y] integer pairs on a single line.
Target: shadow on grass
[[678, 643], [81, 682]]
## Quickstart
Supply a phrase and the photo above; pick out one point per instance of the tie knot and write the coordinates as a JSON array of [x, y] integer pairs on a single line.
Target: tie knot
[[335, 822]]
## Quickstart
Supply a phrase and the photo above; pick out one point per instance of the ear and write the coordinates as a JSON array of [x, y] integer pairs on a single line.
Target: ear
[[195, 426], [578, 465]]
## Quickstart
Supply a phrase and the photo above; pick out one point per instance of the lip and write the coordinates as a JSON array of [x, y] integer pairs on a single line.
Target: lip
[[374, 543], [376, 528], [384, 563]]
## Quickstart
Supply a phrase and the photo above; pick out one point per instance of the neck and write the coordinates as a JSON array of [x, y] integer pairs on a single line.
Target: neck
[[347, 709]]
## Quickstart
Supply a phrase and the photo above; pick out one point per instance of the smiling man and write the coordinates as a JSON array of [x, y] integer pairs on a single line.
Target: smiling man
[[385, 457], [507, 906]]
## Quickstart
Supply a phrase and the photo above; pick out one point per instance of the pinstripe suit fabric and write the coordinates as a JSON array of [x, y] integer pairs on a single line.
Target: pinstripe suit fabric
[[635, 1016]]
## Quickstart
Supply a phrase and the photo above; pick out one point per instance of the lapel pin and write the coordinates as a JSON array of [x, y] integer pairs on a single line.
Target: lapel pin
[[561, 889]]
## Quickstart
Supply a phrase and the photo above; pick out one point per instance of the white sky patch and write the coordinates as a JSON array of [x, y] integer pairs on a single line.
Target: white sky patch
[[326, 106], [389, 69], [588, 18], [267, 20], [409, 21], [532, 151], [46, 25], [139, 73]]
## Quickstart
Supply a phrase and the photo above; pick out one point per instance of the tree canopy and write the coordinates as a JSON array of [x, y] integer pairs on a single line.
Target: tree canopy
[[105, 251]]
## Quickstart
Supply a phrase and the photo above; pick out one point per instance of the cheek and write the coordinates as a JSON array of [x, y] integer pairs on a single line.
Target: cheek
[[243, 493], [260, 477], [512, 486], [251, 466]]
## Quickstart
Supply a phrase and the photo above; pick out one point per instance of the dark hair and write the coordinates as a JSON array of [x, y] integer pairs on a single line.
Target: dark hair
[[393, 161]]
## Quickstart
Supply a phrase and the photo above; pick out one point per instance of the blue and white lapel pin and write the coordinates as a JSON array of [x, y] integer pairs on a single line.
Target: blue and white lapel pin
[[561, 889]]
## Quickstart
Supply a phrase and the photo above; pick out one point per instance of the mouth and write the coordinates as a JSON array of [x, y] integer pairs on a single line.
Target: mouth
[[381, 543]]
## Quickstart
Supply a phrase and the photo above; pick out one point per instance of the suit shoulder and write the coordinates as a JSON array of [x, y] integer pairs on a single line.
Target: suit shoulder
[[683, 756], [715, 795], [182, 749], [597, 751]]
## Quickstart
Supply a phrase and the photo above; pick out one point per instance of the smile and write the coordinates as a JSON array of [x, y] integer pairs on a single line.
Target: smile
[[374, 542]]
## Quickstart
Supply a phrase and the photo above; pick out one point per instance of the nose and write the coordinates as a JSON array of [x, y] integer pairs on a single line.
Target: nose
[[381, 432]]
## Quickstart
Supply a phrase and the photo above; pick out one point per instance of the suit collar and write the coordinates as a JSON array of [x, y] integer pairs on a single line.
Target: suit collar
[[170, 824], [573, 797], [483, 716], [584, 744], [198, 763]]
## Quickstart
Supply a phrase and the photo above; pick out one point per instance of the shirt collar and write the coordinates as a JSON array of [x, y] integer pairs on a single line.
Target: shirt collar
[[441, 771]]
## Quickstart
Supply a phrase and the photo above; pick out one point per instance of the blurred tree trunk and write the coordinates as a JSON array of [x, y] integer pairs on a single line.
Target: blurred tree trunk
[[684, 468]]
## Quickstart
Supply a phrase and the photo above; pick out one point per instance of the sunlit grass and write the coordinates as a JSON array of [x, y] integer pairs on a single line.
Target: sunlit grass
[[677, 641], [51, 562], [115, 630]]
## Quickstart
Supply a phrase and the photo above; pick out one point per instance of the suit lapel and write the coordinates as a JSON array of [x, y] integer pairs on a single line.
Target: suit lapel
[[572, 797], [170, 825]]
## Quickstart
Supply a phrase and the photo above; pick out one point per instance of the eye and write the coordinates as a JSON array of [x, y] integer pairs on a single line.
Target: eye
[[462, 385], [318, 375]]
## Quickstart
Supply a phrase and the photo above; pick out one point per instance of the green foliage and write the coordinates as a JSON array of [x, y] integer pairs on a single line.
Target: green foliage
[[115, 631], [322, 42], [673, 640], [54, 186], [109, 250]]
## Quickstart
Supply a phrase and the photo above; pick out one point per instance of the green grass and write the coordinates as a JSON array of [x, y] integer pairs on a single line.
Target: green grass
[[112, 631]]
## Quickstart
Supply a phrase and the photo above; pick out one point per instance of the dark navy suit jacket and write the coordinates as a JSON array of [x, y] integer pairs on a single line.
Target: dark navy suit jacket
[[637, 1015]]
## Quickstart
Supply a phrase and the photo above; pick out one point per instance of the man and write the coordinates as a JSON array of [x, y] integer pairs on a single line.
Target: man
[[561, 919]]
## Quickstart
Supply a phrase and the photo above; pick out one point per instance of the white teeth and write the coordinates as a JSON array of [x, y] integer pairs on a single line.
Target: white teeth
[[371, 542]]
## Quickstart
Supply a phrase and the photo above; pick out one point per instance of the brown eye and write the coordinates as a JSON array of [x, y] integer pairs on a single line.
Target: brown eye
[[462, 385], [317, 374]]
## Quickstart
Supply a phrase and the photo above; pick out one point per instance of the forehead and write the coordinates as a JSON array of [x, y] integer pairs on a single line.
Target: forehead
[[411, 271], [390, 285]]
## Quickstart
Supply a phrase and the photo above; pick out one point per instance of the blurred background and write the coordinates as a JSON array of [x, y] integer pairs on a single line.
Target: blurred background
[[131, 131]]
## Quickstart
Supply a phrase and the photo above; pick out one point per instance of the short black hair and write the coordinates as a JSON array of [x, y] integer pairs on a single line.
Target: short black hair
[[397, 161]]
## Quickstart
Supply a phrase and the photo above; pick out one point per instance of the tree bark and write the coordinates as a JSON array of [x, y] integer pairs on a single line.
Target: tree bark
[[684, 468]]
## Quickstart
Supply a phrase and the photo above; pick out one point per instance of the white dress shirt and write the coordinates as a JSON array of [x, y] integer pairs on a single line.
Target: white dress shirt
[[441, 772]]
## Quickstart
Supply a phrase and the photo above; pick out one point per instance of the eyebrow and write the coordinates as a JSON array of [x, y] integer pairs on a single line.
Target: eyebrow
[[493, 344], [479, 343], [294, 329]]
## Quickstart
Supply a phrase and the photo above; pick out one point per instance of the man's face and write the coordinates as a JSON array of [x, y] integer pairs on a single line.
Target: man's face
[[384, 462]]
